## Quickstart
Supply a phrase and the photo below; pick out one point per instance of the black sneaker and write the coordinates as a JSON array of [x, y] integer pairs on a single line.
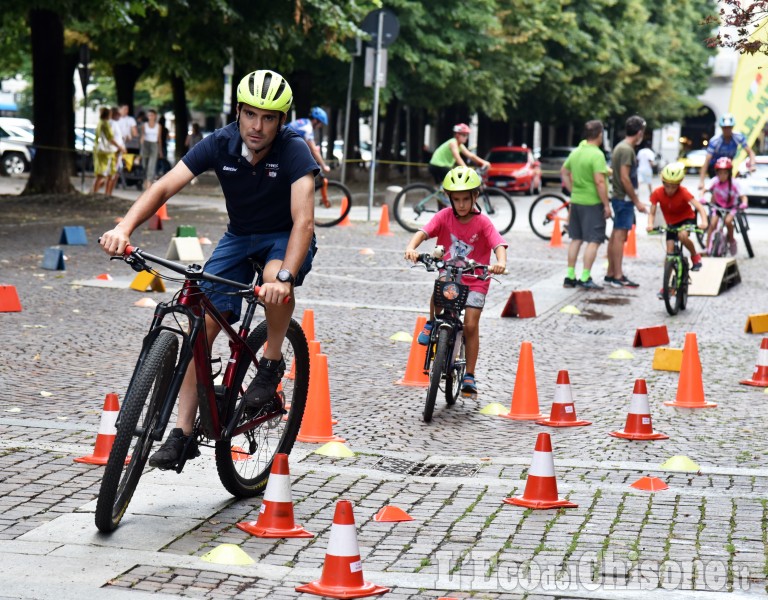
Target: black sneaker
[[263, 388], [170, 452], [627, 282], [613, 282], [569, 282], [589, 285]]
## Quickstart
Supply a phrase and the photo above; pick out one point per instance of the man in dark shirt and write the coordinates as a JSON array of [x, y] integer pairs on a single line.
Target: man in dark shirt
[[267, 176]]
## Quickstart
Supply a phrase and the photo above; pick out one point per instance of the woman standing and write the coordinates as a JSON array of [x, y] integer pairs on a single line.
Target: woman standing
[[150, 147]]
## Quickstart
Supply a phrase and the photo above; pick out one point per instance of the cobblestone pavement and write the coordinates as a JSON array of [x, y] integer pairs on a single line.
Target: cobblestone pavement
[[73, 343]]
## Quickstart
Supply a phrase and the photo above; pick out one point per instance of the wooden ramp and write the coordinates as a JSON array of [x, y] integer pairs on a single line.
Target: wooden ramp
[[716, 276]]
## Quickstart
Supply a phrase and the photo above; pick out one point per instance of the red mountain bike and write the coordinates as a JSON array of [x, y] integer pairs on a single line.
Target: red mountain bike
[[245, 444]]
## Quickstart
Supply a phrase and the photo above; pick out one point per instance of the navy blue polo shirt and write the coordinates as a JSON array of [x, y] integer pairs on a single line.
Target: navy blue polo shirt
[[258, 196]]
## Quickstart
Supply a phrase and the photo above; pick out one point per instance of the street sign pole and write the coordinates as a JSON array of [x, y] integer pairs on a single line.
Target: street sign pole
[[376, 89], [347, 110]]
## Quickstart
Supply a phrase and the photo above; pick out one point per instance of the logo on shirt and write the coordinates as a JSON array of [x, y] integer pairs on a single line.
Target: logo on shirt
[[272, 166], [226, 168]]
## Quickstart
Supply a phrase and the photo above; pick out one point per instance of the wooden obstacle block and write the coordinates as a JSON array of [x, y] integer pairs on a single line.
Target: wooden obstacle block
[[73, 236], [756, 323], [146, 281], [9, 299], [716, 276], [647, 337], [155, 223], [53, 259], [668, 359], [185, 249], [186, 231], [520, 305]]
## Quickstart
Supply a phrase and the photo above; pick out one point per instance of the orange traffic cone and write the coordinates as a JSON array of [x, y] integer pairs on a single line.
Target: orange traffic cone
[[541, 485], [342, 575], [9, 299], [690, 386], [345, 222], [162, 213], [630, 246], [525, 398], [639, 425], [308, 324], [556, 241], [106, 436], [391, 514], [276, 512], [316, 426], [563, 412], [649, 484], [155, 223], [384, 222], [414, 370], [760, 376]]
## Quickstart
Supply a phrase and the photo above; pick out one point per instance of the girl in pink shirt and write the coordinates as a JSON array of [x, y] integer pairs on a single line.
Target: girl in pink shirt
[[463, 231], [725, 194]]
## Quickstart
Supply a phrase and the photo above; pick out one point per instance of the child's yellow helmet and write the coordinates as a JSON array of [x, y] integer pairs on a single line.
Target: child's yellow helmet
[[673, 173], [460, 179]]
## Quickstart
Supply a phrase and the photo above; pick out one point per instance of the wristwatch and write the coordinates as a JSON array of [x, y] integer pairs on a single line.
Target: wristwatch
[[285, 276]]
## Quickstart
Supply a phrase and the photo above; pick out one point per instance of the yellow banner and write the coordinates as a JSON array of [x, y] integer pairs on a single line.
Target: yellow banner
[[749, 95]]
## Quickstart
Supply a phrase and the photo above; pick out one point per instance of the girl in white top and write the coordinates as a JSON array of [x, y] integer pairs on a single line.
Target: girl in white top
[[150, 149]]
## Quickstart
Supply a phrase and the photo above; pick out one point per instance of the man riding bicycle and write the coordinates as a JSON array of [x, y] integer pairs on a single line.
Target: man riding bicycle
[[306, 129], [449, 154], [267, 175], [725, 145]]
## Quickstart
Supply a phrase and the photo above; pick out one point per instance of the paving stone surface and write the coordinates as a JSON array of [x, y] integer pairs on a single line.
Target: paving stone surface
[[73, 343]]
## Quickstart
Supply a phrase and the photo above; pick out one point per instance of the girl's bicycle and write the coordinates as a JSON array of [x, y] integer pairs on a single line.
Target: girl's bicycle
[[718, 243], [245, 442], [445, 360], [544, 210], [333, 201], [415, 204], [674, 288]]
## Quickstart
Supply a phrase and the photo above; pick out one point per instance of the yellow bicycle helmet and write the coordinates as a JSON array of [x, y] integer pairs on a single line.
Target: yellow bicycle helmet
[[673, 173], [266, 90], [460, 179]]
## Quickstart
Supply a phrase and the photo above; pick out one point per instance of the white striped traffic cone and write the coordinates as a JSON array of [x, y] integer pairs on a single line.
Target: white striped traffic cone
[[342, 575], [639, 425], [541, 485], [106, 436], [563, 412], [760, 376], [276, 512]]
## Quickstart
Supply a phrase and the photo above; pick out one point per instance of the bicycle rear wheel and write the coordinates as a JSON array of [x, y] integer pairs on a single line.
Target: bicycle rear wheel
[[146, 394], [333, 204], [743, 224], [499, 208], [436, 374], [415, 205], [244, 461], [543, 212], [670, 288]]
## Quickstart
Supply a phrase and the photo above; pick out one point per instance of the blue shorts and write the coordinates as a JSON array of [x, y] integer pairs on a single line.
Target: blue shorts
[[230, 261], [623, 213]]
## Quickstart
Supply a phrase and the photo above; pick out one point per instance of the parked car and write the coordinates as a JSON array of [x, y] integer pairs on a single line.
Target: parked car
[[551, 160], [16, 150], [755, 185], [513, 169], [693, 160]]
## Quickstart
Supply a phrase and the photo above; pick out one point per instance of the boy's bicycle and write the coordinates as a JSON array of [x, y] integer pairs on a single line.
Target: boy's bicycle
[[415, 204], [245, 442], [543, 212], [718, 243], [445, 360], [674, 289], [330, 205]]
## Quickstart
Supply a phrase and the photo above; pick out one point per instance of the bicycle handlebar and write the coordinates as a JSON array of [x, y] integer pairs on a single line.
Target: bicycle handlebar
[[433, 264], [661, 229]]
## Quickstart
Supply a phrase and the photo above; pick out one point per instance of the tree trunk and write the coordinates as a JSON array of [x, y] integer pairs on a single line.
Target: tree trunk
[[52, 97], [126, 75], [301, 86], [182, 116]]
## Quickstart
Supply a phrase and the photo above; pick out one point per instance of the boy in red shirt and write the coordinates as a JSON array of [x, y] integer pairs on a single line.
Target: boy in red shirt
[[677, 205]]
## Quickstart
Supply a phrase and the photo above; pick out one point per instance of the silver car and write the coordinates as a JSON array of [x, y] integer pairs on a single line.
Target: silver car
[[552, 160]]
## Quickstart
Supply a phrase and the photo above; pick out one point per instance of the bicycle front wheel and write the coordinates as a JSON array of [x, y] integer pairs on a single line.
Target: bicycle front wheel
[[436, 374], [682, 290], [244, 461], [415, 205], [743, 224], [333, 201], [719, 245], [670, 288], [543, 212], [499, 208], [147, 392], [455, 376]]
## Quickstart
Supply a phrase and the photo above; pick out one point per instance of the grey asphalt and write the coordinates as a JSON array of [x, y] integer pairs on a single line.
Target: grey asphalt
[[72, 344]]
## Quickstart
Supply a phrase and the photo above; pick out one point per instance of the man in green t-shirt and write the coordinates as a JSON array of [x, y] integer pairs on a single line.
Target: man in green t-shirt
[[624, 200], [584, 175], [449, 154]]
